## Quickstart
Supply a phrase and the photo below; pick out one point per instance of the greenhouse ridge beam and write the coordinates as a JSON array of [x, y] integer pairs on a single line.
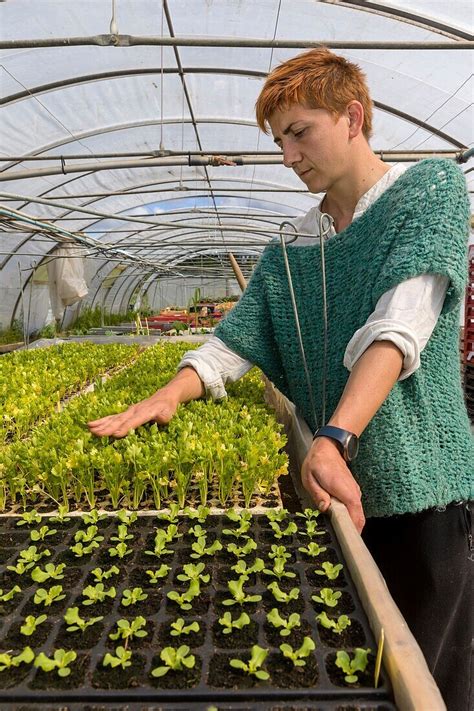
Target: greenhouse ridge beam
[[142, 41]]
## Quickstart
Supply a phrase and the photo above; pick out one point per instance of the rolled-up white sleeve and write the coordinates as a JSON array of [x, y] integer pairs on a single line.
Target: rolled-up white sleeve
[[405, 315], [216, 365]]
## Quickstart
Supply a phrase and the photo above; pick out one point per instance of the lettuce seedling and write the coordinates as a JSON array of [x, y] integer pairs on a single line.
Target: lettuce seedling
[[199, 548], [47, 597], [200, 514], [312, 529], [127, 629], [349, 666], [42, 533], [258, 656], [277, 620], [156, 575], [238, 516], [97, 593], [61, 516], [229, 624], [172, 515], [197, 531], [27, 559], [60, 661], [277, 515], [174, 659], [172, 533], [239, 597], [80, 550], [31, 623], [28, 518], [242, 551], [327, 597], [92, 517], [127, 517], [51, 571], [160, 543], [122, 534], [241, 567], [281, 533], [336, 626], [309, 514], [121, 659], [185, 599], [131, 597], [312, 550], [7, 661], [281, 596], [76, 622], [101, 575], [329, 570], [120, 550], [89, 535], [194, 571], [178, 627], [7, 596], [278, 552], [240, 532], [278, 570], [298, 656]]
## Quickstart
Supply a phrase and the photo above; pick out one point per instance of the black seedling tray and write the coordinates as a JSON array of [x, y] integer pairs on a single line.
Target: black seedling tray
[[212, 681]]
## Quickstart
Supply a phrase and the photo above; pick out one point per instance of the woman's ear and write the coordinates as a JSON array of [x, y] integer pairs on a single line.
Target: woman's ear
[[355, 114]]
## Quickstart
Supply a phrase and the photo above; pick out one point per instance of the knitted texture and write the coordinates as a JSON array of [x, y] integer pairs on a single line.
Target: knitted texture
[[417, 451]]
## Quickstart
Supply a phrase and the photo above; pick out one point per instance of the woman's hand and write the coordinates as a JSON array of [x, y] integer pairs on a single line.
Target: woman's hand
[[159, 408], [325, 473]]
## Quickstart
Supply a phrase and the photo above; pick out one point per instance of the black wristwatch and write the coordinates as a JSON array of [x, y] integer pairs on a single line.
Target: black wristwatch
[[347, 442]]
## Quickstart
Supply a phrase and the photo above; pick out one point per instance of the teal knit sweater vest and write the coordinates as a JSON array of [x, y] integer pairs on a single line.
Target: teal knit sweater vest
[[417, 451]]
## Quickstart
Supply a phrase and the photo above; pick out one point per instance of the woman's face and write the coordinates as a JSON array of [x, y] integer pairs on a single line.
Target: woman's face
[[314, 144]]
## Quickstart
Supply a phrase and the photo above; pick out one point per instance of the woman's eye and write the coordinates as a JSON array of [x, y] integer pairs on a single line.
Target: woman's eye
[[298, 134]]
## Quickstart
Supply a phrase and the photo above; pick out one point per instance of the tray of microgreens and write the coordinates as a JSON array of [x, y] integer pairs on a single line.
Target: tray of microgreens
[[180, 604]]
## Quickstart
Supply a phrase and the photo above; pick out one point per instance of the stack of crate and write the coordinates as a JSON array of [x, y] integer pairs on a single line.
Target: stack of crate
[[468, 346]]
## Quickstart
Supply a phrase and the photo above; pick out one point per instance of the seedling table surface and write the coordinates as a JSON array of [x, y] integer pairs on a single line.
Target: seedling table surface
[[212, 681]]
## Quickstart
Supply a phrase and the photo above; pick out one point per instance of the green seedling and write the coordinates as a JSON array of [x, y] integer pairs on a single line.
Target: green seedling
[[97, 593], [60, 662], [277, 515], [172, 515], [156, 575], [29, 518], [50, 572], [309, 514], [31, 623], [240, 532], [122, 534], [327, 597], [281, 596], [229, 624], [47, 597], [27, 560], [337, 626], [329, 570], [101, 575], [120, 550], [241, 567], [131, 597], [62, 515], [174, 659], [298, 656], [76, 622], [242, 551], [349, 666], [197, 531], [277, 620], [121, 659], [258, 656], [80, 550], [278, 552], [7, 661], [127, 517], [127, 629], [312, 530], [160, 543], [200, 514], [93, 517], [278, 570], [312, 550], [200, 550], [238, 516], [89, 535], [185, 599], [239, 597], [172, 533], [42, 533], [178, 627], [194, 571], [278, 532], [7, 596]]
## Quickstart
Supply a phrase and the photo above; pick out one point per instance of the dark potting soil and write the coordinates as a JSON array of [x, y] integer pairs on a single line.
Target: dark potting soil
[[51, 680], [295, 638], [192, 639], [352, 636], [222, 675], [79, 640], [182, 679], [118, 678], [14, 676], [15, 640], [345, 604], [321, 581], [284, 674], [237, 639], [336, 675]]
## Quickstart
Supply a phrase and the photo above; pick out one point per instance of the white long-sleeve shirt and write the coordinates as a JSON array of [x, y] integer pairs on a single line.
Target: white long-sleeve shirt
[[405, 315]]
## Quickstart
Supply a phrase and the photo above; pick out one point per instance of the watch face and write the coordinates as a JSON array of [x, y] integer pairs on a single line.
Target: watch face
[[352, 447]]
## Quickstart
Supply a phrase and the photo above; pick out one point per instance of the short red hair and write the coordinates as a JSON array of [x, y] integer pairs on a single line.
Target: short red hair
[[317, 79]]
